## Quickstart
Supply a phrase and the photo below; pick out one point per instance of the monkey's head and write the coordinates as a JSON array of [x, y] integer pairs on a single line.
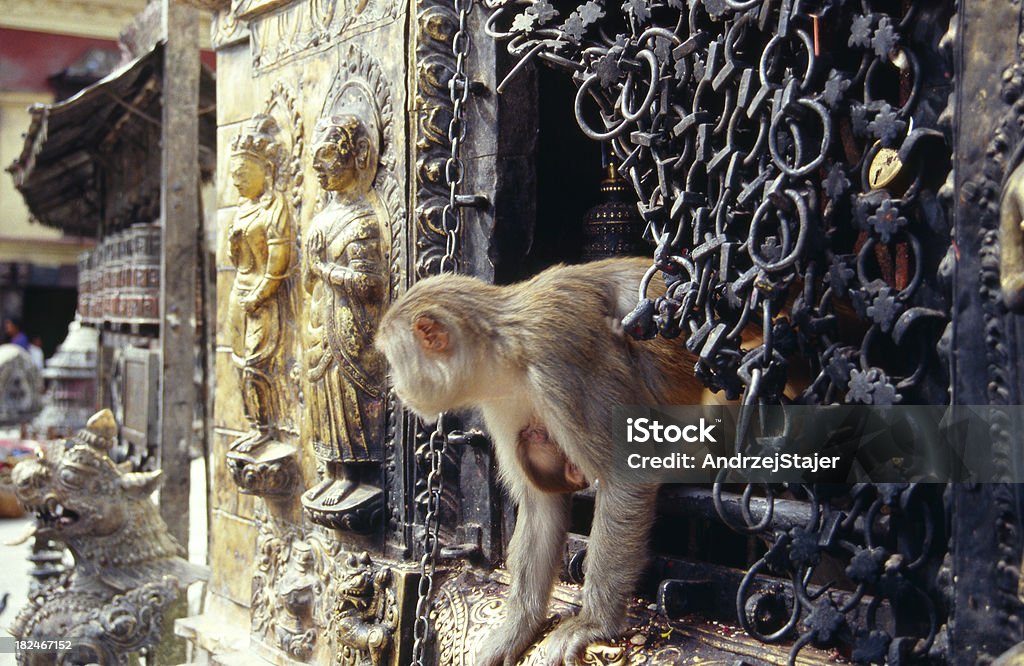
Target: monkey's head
[[437, 339]]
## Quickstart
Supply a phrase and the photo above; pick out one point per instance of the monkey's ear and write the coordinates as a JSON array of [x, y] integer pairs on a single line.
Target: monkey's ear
[[430, 333]]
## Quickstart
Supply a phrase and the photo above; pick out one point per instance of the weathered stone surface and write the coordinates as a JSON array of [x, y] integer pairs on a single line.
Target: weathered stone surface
[[235, 540]]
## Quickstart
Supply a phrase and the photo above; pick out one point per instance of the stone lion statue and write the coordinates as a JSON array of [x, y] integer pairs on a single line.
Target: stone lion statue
[[128, 568]]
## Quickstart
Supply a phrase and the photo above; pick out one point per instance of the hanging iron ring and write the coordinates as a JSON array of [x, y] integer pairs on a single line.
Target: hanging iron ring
[[773, 43], [627, 89], [794, 253], [615, 131], [826, 131]]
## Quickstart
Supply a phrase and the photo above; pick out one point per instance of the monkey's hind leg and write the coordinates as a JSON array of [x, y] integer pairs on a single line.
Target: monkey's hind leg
[[535, 553], [616, 556]]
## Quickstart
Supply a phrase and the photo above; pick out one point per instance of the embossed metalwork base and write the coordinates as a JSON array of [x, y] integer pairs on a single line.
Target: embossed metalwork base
[[469, 607], [270, 470], [360, 510], [311, 597]]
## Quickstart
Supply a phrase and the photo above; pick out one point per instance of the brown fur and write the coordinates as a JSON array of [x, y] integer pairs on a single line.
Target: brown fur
[[545, 464], [546, 363]]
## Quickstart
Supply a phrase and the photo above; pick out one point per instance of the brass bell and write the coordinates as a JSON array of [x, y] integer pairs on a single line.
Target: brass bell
[[613, 228]]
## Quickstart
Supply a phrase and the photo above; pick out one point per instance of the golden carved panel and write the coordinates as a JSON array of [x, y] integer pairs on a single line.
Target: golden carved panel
[[265, 166], [348, 278], [469, 608], [281, 32], [311, 199], [311, 598]]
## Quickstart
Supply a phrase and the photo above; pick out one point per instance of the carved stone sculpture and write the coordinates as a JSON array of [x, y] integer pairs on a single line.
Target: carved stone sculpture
[[305, 583], [128, 568], [22, 385], [346, 277], [261, 243], [365, 616]]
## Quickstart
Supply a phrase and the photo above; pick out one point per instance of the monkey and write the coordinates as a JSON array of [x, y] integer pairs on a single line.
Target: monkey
[[542, 366], [545, 464]]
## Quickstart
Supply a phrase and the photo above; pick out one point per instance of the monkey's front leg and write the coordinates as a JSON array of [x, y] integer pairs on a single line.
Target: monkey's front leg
[[616, 556], [535, 553]]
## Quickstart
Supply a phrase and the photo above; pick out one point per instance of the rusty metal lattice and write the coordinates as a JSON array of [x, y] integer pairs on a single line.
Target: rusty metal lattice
[[787, 156]]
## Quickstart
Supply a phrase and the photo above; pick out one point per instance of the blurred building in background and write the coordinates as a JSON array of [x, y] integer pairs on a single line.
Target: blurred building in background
[[48, 52]]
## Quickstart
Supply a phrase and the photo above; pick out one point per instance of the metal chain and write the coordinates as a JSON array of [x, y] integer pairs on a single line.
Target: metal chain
[[451, 222], [421, 625], [454, 169]]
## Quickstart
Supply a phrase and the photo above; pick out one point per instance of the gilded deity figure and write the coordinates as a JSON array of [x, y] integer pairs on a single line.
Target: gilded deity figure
[[346, 277], [260, 242]]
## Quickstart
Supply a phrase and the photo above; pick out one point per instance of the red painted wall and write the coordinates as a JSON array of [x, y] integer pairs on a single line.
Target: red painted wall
[[27, 58]]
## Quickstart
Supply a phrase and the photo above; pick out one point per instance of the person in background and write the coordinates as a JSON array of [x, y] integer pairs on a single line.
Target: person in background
[[35, 350], [14, 333]]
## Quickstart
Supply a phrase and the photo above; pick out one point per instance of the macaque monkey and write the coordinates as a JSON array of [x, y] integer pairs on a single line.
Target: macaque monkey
[[544, 364], [545, 464]]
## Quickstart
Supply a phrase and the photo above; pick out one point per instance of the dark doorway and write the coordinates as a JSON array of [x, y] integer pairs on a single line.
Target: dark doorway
[[46, 312], [569, 173]]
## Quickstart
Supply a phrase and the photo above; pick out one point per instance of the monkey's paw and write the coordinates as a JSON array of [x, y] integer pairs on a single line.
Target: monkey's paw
[[503, 647], [567, 643]]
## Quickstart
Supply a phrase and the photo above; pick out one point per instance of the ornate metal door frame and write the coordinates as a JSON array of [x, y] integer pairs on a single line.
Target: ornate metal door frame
[[788, 157], [986, 540]]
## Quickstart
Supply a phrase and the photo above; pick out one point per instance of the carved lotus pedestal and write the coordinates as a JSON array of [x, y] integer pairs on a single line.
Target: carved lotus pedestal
[[359, 511], [268, 471]]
